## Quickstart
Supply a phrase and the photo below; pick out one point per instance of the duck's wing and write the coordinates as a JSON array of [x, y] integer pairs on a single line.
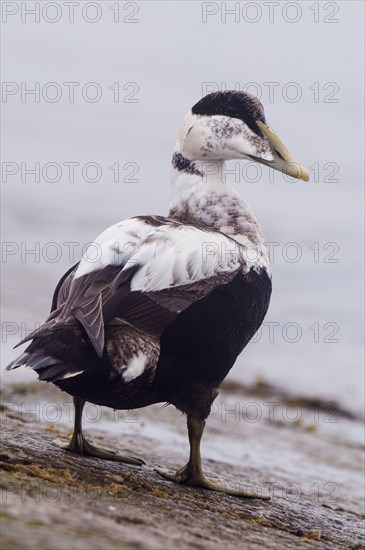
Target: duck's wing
[[146, 270], [62, 288]]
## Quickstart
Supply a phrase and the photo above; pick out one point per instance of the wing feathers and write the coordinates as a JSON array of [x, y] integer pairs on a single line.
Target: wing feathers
[[90, 316], [150, 269]]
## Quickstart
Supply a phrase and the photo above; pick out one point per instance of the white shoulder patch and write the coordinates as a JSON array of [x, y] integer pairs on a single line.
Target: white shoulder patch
[[176, 256], [169, 255]]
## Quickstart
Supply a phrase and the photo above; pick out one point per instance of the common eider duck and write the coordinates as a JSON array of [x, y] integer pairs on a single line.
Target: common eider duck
[[164, 309]]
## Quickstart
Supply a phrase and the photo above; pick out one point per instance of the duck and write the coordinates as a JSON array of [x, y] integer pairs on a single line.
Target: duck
[[159, 307]]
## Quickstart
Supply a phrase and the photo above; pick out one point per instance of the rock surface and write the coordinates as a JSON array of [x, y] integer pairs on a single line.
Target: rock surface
[[52, 500]]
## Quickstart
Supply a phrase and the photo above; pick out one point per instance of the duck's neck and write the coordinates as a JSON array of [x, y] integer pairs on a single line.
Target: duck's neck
[[201, 196]]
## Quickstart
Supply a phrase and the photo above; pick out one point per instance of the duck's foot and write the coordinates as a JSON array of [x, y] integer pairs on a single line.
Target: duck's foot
[[187, 476], [80, 446]]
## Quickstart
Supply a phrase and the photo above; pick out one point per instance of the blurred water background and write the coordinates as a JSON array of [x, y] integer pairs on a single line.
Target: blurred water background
[[304, 62]]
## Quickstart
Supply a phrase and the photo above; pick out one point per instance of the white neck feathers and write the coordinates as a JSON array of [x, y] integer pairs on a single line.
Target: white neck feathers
[[200, 195]]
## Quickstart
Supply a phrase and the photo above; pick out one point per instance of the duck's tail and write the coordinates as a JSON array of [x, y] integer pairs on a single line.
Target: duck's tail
[[50, 353]]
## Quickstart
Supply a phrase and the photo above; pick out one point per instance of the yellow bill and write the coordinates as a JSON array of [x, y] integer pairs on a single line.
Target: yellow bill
[[283, 161]]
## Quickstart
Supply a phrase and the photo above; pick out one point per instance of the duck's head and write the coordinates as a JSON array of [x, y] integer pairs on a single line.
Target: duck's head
[[232, 125]]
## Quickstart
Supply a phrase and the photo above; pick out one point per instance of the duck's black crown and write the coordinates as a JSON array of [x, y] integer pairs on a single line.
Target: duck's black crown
[[233, 104]]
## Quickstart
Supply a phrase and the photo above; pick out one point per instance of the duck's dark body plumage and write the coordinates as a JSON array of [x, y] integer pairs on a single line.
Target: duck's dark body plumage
[[200, 347]]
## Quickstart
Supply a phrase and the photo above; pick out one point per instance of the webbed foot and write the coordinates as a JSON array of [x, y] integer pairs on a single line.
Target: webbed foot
[[80, 446], [187, 476]]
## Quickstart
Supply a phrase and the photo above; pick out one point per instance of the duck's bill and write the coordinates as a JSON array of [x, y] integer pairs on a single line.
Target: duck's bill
[[282, 159]]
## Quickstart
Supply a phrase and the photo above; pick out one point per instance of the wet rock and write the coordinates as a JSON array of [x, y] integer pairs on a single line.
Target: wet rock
[[53, 499]]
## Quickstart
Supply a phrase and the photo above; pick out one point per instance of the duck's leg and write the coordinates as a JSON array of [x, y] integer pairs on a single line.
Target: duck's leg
[[80, 446], [192, 473]]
